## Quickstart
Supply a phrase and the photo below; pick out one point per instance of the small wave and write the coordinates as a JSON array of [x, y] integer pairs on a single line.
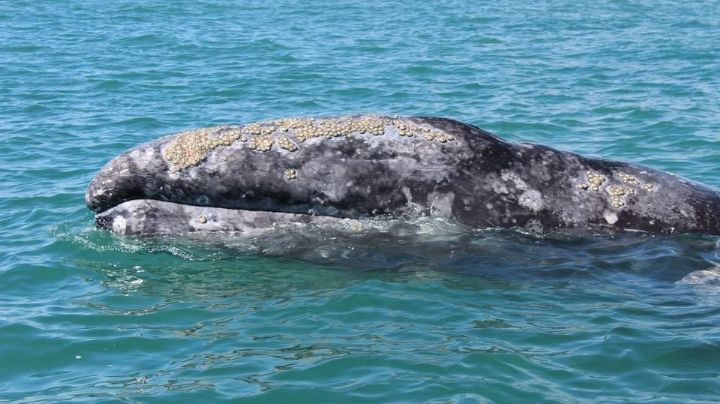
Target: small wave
[[709, 276]]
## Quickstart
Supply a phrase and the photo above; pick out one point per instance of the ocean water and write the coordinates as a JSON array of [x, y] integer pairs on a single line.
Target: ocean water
[[434, 314]]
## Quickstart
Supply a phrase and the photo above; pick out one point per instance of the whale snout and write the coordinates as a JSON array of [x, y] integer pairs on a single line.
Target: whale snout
[[110, 188], [119, 181], [135, 174]]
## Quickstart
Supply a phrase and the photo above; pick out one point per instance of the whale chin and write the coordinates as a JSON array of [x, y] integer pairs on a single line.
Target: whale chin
[[152, 217]]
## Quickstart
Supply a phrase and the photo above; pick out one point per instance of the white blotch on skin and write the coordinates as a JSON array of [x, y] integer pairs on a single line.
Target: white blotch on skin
[[511, 176], [610, 217], [441, 204], [531, 199], [408, 195], [119, 225]]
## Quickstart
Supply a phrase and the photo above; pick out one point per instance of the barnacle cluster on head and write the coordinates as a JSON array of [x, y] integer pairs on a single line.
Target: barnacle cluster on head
[[618, 192], [261, 143], [628, 179], [286, 143], [190, 148], [290, 174], [303, 129], [594, 181]]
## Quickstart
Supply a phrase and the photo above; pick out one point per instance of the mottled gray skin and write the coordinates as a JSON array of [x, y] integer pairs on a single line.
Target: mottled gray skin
[[477, 180]]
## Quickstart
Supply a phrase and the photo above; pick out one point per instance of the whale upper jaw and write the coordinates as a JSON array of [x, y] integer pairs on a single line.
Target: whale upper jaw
[[129, 176]]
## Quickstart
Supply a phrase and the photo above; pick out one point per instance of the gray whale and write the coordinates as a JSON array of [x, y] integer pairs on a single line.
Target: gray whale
[[316, 170]]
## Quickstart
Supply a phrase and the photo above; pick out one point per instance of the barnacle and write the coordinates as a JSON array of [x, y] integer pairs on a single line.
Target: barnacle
[[190, 148]]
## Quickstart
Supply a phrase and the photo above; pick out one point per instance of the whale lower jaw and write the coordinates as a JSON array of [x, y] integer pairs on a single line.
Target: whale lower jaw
[[149, 217], [153, 217]]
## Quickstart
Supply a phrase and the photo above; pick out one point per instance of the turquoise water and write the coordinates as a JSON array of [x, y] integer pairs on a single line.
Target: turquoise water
[[322, 317]]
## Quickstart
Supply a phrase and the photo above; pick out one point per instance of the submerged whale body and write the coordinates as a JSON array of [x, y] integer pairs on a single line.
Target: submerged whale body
[[322, 170]]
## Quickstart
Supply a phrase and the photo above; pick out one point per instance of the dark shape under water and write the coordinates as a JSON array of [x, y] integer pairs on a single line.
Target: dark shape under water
[[330, 170]]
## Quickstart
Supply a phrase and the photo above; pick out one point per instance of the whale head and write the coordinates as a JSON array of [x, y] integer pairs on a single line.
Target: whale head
[[134, 174]]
